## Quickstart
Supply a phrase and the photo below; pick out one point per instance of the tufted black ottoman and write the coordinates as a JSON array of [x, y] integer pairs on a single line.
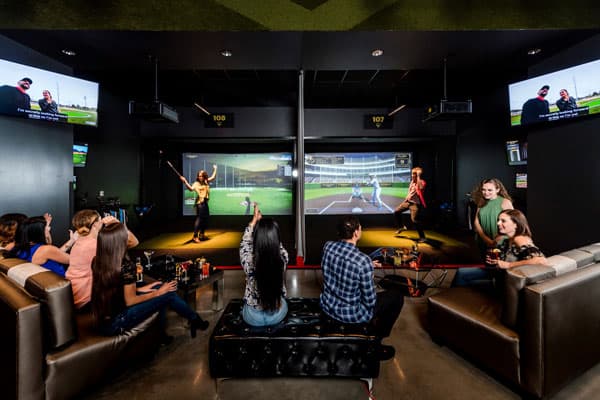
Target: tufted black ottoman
[[305, 343]]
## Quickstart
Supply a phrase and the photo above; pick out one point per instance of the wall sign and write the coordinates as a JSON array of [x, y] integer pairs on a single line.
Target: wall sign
[[222, 120], [378, 121]]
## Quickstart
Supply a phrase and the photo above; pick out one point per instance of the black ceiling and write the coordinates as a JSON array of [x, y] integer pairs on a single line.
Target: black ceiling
[[263, 70]]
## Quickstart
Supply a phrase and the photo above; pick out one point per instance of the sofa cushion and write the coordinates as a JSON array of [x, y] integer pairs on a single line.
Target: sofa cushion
[[593, 249], [55, 295], [468, 320], [582, 258], [89, 360]]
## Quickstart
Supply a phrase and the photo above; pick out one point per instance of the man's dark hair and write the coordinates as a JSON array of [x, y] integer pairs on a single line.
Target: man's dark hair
[[346, 226]]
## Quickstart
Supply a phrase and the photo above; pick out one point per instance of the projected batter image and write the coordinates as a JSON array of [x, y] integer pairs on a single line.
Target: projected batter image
[[241, 181], [355, 183]]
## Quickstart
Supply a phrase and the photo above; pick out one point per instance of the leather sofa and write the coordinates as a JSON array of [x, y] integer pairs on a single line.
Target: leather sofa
[[47, 349], [306, 343], [538, 333]]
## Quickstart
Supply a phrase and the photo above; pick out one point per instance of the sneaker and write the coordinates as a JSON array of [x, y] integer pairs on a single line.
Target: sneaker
[[421, 240], [196, 240], [197, 323], [203, 237], [401, 230], [386, 352]]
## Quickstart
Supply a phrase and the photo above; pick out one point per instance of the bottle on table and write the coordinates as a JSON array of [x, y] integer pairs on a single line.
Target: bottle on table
[[139, 270]]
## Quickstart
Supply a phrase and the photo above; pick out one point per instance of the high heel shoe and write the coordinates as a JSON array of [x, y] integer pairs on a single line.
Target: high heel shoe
[[197, 323]]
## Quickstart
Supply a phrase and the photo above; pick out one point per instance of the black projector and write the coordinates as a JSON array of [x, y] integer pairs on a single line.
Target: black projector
[[448, 110], [155, 111]]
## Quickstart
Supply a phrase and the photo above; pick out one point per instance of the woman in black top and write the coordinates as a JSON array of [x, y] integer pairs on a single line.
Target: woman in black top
[[117, 304]]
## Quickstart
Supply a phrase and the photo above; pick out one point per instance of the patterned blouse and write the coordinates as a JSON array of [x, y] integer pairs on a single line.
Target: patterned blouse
[[251, 296], [511, 252]]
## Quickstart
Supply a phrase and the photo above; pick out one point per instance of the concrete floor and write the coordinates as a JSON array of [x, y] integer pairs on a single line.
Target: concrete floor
[[420, 370]]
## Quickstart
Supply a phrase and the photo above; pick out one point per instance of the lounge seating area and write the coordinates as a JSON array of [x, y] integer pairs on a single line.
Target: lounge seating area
[[49, 351], [539, 333]]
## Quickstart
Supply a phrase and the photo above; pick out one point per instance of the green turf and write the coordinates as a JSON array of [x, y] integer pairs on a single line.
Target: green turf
[[594, 106], [272, 201], [79, 158]]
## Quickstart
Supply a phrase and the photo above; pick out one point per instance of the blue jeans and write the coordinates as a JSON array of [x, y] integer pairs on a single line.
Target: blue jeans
[[473, 277], [255, 317], [134, 315]]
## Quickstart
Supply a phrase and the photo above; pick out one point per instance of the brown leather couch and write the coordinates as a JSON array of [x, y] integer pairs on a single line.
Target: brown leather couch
[[47, 349], [539, 333]]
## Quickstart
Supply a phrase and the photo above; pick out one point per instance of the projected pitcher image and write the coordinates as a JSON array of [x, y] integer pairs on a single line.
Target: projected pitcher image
[[355, 183], [242, 180]]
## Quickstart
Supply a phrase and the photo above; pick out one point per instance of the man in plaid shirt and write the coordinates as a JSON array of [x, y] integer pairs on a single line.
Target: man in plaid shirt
[[348, 287]]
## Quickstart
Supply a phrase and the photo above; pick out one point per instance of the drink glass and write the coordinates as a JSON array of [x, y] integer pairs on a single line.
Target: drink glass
[[148, 254]]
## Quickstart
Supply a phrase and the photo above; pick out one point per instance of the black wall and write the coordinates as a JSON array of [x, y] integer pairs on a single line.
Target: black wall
[[36, 164], [564, 169]]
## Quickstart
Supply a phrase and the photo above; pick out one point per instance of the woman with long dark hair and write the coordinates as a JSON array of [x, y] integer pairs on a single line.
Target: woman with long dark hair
[[264, 261], [31, 244], [516, 245], [202, 188], [117, 304]]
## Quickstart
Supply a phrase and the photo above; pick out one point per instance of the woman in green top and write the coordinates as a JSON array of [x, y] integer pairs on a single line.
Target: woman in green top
[[491, 199]]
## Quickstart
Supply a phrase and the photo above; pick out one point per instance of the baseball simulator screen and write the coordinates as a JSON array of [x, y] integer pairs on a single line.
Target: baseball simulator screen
[[357, 183]]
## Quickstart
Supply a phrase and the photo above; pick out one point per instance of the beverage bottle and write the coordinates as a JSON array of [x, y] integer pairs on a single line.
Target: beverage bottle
[[139, 270]]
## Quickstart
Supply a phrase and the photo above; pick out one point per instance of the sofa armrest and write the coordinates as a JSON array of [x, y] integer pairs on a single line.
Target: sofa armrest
[[21, 356], [561, 325]]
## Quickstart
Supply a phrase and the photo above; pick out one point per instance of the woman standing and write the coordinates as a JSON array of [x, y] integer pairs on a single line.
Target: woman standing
[[491, 199], [202, 189], [516, 245], [87, 223], [117, 304], [264, 261]]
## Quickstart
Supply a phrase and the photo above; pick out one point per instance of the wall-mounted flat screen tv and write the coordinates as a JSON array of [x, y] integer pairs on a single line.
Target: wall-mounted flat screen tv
[[80, 152], [357, 183], [569, 93], [38, 94], [516, 152], [241, 180], [521, 180]]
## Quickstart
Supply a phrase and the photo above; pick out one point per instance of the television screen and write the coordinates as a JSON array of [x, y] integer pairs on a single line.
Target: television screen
[[241, 180], [80, 152], [34, 93], [521, 180], [359, 183], [516, 152], [568, 93]]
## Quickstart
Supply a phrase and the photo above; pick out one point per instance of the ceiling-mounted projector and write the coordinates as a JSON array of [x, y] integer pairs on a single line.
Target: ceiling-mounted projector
[[447, 110], [155, 111]]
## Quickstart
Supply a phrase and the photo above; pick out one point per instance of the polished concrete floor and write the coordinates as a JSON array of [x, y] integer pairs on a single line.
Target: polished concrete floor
[[420, 369]]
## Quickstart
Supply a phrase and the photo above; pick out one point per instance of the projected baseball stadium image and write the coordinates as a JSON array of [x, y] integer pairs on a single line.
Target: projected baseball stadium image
[[242, 180], [357, 183]]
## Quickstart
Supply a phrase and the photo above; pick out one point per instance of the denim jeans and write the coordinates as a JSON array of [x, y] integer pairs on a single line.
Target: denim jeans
[[473, 277], [137, 313], [255, 317]]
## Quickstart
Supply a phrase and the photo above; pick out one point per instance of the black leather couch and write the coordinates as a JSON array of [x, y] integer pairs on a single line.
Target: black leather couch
[[306, 343], [539, 334], [47, 350]]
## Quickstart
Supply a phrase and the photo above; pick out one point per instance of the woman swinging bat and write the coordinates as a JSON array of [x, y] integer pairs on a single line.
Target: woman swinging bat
[[202, 189]]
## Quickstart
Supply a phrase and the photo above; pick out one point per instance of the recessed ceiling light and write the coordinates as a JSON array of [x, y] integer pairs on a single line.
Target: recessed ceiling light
[[68, 52], [533, 52], [377, 53], [226, 53]]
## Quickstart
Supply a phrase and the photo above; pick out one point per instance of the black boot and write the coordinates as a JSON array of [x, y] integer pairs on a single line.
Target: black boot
[[197, 323]]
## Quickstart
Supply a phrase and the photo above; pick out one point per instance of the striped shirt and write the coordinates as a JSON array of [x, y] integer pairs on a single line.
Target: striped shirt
[[348, 288]]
